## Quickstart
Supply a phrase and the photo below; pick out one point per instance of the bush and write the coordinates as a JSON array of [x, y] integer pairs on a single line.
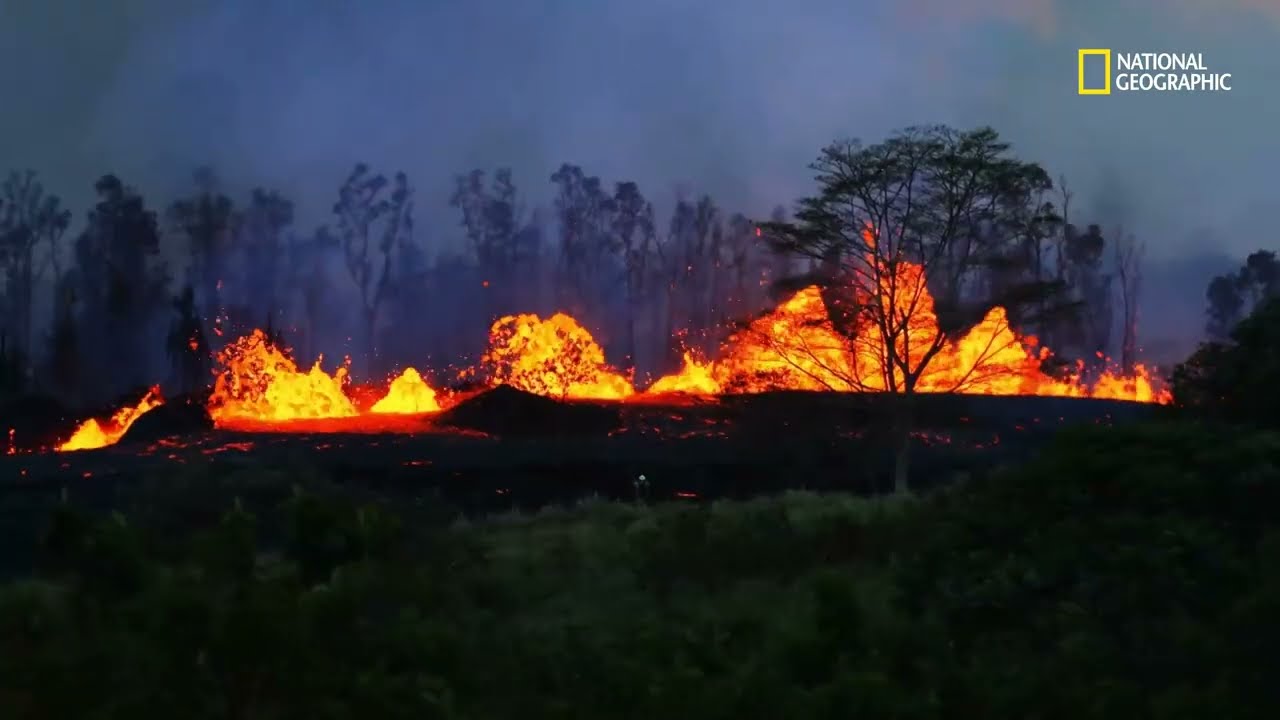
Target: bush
[[1237, 380], [1122, 573]]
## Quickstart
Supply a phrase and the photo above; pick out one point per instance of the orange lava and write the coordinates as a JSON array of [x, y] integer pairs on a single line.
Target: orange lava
[[796, 346], [555, 357], [695, 378], [258, 382], [408, 394], [93, 434]]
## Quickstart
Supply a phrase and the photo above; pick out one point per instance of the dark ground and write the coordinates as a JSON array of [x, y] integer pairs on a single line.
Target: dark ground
[[513, 449], [505, 450]]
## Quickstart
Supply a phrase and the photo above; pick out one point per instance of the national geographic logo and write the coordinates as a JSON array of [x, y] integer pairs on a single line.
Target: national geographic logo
[[1146, 72]]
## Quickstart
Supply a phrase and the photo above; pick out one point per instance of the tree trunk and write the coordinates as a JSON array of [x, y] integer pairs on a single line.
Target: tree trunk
[[902, 442], [371, 341]]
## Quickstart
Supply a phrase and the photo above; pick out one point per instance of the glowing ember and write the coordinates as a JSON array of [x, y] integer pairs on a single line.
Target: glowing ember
[[556, 357], [259, 382], [408, 394], [93, 434]]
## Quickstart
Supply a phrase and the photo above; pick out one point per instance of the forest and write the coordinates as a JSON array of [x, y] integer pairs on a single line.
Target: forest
[[165, 283]]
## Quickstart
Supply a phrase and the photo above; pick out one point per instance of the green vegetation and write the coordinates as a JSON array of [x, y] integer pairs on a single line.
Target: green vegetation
[[1124, 573]]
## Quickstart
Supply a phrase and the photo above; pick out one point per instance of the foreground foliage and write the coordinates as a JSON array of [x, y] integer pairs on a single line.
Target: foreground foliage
[[1126, 573], [1236, 379]]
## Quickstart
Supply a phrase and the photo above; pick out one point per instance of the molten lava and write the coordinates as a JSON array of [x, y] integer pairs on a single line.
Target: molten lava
[[555, 357], [259, 382], [694, 378], [796, 346], [93, 434], [408, 394]]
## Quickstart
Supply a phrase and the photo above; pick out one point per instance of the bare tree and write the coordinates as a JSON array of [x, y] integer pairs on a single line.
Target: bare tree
[[1129, 255], [372, 225], [30, 219], [631, 226], [208, 220]]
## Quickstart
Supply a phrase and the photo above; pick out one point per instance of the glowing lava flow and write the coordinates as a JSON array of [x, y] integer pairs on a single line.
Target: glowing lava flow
[[259, 383], [93, 434], [796, 346], [408, 394], [555, 357]]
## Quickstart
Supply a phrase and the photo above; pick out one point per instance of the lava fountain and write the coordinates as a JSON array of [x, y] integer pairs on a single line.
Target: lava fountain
[[556, 357], [92, 434], [795, 346]]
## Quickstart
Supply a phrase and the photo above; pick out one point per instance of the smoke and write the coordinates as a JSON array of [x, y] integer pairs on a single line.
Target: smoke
[[733, 99]]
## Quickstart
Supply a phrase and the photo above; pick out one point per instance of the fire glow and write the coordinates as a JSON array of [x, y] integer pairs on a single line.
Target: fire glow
[[793, 347]]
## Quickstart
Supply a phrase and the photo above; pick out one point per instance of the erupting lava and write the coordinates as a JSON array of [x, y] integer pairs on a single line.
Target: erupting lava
[[93, 434], [795, 346], [556, 357], [258, 382], [408, 394]]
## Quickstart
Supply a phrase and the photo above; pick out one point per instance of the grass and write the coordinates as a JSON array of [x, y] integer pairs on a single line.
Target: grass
[[1124, 573]]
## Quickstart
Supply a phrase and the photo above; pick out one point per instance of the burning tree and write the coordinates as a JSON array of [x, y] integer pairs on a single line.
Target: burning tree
[[888, 220]]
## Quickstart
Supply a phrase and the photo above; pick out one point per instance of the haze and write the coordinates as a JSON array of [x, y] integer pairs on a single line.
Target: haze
[[731, 99]]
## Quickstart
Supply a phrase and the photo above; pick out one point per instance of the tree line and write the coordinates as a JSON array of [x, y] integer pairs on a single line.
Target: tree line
[[136, 278]]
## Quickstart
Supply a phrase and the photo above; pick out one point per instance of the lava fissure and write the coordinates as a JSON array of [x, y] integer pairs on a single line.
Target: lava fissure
[[795, 346]]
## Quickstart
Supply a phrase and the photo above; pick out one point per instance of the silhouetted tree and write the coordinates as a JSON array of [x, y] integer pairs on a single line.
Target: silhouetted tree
[[743, 268], [632, 227], [491, 220], [32, 223], [1088, 331], [1129, 255], [372, 227], [119, 284], [1226, 306], [187, 346], [207, 220], [914, 198], [1234, 295], [308, 278], [1236, 379], [676, 255], [13, 368], [64, 358], [267, 217], [583, 209]]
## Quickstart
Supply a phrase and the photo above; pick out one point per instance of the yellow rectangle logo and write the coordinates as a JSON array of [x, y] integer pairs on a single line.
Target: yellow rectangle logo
[[1106, 83]]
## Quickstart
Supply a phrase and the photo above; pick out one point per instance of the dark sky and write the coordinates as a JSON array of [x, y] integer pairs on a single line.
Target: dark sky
[[732, 98]]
